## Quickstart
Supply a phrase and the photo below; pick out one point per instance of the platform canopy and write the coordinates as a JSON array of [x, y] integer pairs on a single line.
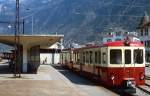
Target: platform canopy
[[31, 40]]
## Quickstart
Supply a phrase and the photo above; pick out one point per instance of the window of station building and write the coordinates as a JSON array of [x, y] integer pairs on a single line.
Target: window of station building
[[127, 56], [109, 40], [138, 56], [115, 56], [118, 39], [126, 33], [146, 31], [118, 33], [145, 43], [142, 32], [91, 61], [148, 43]]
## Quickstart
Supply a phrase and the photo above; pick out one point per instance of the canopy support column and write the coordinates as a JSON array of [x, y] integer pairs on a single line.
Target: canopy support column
[[25, 60]]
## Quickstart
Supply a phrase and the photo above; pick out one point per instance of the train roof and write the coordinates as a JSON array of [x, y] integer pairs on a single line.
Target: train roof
[[124, 43], [111, 44]]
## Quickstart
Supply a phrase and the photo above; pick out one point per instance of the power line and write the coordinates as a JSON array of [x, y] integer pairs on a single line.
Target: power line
[[136, 16]]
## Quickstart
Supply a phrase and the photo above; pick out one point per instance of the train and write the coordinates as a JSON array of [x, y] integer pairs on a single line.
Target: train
[[118, 64]]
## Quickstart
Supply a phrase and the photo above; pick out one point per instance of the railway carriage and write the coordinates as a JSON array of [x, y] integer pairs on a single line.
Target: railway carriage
[[118, 63]]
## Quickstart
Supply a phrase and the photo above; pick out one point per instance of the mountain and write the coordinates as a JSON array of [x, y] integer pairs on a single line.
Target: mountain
[[79, 20]]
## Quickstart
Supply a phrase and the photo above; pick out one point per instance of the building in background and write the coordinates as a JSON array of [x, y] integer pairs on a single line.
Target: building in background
[[120, 36], [144, 34], [51, 55]]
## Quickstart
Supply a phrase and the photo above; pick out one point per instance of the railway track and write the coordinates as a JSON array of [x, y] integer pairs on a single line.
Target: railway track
[[145, 88], [142, 89]]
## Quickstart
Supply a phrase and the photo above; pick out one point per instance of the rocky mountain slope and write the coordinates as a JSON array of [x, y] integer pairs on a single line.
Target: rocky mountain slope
[[79, 20]]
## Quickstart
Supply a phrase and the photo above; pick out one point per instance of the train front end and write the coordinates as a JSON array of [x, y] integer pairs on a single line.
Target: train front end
[[126, 65]]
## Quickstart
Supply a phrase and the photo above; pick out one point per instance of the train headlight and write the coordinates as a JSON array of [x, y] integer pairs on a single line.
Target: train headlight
[[142, 77], [112, 77]]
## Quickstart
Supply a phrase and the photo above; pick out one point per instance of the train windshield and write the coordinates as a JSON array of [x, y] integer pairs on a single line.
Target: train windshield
[[138, 56], [127, 56], [115, 56]]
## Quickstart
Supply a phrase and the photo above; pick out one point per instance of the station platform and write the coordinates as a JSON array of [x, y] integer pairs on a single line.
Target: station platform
[[50, 80]]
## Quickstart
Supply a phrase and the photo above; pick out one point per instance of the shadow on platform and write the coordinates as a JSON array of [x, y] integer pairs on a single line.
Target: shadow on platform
[[74, 78], [4, 68]]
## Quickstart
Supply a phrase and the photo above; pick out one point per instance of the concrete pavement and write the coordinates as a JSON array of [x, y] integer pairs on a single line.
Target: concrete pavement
[[49, 82]]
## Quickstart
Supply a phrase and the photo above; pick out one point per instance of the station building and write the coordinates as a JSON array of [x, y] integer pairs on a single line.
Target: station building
[[30, 48], [144, 34]]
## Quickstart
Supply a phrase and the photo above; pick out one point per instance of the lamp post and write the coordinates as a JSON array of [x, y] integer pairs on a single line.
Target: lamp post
[[23, 22], [32, 25], [17, 71], [32, 22]]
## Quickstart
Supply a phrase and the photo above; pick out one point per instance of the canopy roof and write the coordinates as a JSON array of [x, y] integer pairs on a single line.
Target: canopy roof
[[31, 40]]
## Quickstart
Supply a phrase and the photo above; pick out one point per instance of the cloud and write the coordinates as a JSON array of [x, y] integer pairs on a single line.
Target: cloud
[[46, 1], [1, 5]]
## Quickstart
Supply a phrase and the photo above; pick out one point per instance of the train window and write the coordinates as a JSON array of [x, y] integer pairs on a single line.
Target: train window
[[84, 57], [70, 56], [99, 57], [138, 56], [62, 56], [91, 57], [87, 59], [127, 57], [115, 56], [65, 57], [104, 58], [75, 57], [95, 57]]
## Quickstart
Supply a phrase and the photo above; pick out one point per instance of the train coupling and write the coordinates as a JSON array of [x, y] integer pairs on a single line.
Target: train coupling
[[129, 85]]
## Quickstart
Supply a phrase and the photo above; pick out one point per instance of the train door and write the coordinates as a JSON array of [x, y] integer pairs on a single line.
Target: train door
[[127, 63], [104, 56], [97, 62], [115, 64], [104, 60], [80, 60]]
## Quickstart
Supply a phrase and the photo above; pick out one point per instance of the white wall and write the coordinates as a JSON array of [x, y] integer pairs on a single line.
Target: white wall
[[57, 58], [43, 56]]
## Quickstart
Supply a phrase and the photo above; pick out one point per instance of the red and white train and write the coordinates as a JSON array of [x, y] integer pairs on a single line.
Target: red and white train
[[114, 64]]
